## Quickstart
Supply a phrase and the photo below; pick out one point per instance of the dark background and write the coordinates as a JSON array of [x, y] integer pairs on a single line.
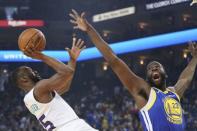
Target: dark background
[[96, 94]]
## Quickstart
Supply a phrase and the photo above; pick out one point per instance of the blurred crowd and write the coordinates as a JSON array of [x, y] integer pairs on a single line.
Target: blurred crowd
[[103, 107]]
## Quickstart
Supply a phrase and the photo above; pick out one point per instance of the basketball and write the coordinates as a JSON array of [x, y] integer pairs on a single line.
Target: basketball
[[32, 38]]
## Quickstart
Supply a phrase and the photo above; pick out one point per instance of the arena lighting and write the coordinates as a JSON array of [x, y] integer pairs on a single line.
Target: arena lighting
[[119, 48]]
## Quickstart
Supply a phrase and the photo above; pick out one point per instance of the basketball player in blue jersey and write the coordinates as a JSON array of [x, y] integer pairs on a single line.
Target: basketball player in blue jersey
[[43, 95], [159, 106]]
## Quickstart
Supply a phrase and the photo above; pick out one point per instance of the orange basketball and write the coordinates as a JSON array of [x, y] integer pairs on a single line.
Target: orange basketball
[[32, 38]]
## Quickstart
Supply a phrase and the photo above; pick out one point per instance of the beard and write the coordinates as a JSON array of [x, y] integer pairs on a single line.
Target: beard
[[35, 78], [161, 84]]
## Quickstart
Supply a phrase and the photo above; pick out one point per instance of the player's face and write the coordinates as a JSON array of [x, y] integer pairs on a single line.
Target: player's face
[[31, 75], [155, 74]]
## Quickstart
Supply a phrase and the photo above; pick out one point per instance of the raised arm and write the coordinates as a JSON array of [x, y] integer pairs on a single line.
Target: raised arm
[[136, 85], [60, 79], [188, 73], [64, 73], [74, 52]]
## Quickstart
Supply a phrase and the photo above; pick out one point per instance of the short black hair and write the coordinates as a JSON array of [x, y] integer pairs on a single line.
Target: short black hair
[[18, 72], [153, 62]]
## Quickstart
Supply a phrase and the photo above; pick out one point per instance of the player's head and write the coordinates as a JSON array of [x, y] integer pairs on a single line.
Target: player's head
[[156, 75], [25, 78]]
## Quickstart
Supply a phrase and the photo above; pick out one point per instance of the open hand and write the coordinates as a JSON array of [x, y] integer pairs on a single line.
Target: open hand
[[79, 21], [193, 49], [77, 47]]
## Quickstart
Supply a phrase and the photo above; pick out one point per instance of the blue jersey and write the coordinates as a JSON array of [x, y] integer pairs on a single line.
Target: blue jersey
[[162, 112]]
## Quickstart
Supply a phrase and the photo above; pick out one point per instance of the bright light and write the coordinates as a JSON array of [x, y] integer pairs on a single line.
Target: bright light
[[141, 62], [176, 38], [5, 71], [185, 55], [105, 66]]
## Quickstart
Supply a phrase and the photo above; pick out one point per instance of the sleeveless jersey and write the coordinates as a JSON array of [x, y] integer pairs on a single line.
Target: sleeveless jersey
[[51, 115], [162, 112]]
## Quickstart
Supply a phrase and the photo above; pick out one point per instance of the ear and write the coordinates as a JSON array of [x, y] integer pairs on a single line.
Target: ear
[[23, 79]]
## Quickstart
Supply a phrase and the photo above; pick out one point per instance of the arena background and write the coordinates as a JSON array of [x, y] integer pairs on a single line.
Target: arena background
[[96, 94]]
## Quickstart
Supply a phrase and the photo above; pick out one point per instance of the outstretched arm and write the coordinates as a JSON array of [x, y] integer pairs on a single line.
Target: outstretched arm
[[74, 52], [136, 85], [188, 73]]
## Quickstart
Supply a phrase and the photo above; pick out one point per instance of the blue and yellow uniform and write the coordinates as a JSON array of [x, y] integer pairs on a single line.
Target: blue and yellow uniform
[[163, 112]]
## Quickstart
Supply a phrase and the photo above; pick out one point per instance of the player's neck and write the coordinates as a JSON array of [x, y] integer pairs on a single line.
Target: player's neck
[[162, 87], [29, 87]]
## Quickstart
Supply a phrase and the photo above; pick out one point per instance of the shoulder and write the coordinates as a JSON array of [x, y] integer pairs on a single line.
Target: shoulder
[[42, 93], [172, 89], [28, 96], [41, 86]]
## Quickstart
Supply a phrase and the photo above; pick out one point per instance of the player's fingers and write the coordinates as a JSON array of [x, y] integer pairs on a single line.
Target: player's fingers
[[72, 16], [67, 49], [83, 47], [74, 41], [27, 53], [75, 13], [78, 43], [28, 48], [83, 15], [75, 27], [81, 44], [73, 21], [31, 50]]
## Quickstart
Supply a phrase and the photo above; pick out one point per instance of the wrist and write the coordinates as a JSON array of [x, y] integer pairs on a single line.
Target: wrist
[[72, 60], [72, 63], [88, 28], [43, 57]]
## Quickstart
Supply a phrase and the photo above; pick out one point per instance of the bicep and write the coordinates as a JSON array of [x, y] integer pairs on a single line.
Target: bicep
[[181, 86]]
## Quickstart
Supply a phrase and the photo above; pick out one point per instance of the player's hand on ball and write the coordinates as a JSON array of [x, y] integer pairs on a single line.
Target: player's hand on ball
[[77, 47], [31, 52], [79, 21], [193, 49]]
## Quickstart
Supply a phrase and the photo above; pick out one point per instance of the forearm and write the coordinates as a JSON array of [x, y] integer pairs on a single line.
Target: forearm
[[188, 72], [102, 46], [58, 66], [186, 77], [72, 65]]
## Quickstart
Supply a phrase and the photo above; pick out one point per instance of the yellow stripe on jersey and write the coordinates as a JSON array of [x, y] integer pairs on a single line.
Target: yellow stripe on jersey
[[151, 100]]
